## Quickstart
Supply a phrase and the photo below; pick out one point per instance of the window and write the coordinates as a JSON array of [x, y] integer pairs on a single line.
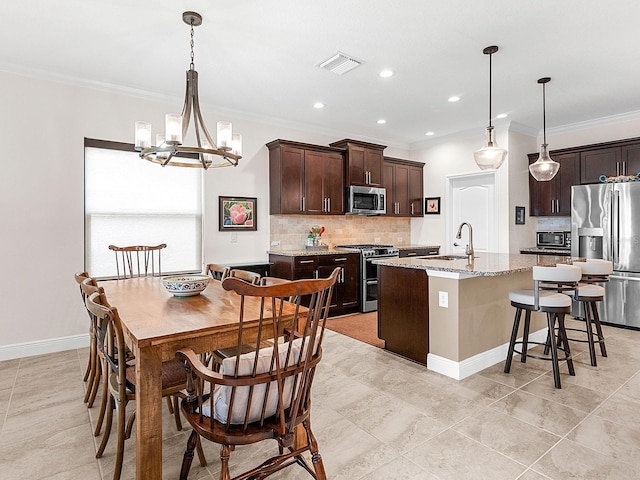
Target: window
[[129, 201]]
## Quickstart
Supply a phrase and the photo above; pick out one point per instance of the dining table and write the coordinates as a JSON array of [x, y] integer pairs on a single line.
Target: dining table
[[156, 324]]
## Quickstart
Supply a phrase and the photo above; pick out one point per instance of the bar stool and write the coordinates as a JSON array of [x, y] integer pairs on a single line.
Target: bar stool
[[547, 297], [588, 294]]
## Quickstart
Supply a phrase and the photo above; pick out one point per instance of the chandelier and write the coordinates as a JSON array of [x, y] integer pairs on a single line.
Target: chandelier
[[490, 156], [169, 148], [545, 168]]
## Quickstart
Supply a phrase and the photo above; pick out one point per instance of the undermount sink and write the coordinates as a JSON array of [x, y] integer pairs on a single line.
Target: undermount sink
[[445, 257]]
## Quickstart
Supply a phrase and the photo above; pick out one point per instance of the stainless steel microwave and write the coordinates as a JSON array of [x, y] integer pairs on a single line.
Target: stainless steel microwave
[[561, 240], [366, 200]]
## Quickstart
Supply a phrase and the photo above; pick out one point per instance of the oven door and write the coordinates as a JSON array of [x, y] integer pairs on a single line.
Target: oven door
[[370, 282]]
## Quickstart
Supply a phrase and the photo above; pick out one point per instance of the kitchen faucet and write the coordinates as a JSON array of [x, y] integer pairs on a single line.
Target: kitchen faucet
[[469, 250]]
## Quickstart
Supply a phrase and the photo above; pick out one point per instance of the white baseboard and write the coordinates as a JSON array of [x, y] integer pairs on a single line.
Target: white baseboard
[[40, 347], [469, 366]]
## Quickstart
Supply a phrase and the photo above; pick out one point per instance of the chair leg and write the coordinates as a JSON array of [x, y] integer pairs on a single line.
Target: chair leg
[[188, 455], [94, 387], [596, 320], [587, 320], [176, 411], [107, 428], [169, 405], [316, 458], [525, 336], [562, 336], [512, 342], [225, 452], [201, 457], [103, 402], [551, 318], [121, 408], [92, 370]]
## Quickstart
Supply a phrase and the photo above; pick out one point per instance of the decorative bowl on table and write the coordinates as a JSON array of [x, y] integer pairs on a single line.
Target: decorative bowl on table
[[185, 285]]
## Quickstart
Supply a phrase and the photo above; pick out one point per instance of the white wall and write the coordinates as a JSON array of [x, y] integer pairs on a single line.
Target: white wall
[[43, 127]]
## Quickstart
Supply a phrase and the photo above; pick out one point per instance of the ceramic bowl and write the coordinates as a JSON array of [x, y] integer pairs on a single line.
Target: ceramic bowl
[[185, 285]]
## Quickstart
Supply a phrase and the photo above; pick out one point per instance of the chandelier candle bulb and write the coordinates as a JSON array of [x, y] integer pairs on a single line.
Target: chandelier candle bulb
[[142, 135], [236, 144], [161, 143], [173, 128], [224, 135]]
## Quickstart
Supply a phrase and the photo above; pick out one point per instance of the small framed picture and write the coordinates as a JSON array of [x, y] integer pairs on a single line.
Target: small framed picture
[[519, 215], [432, 206], [237, 213]]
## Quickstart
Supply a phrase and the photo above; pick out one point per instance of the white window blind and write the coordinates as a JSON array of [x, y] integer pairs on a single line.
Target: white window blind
[[129, 201]]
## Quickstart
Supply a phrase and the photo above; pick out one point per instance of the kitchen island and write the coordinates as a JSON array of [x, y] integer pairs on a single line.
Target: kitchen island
[[451, 314]]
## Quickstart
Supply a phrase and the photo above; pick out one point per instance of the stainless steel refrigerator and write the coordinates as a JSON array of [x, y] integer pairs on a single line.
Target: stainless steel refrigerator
[[605, 223]]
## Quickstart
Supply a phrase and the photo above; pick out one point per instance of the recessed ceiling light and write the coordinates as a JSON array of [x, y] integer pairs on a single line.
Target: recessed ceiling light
[[386, 73], [428, 134], [501, 115], [381, 121], [453, 98], [318, 105]]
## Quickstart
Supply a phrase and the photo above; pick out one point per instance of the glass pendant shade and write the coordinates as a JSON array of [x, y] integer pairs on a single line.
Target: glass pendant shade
[[491, 156], [236, 144], [142, 135], [545, 168], [173, 128], [224, 135]]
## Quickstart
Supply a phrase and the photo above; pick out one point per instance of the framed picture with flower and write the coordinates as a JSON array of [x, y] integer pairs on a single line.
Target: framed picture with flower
[[432, 206], [237, 213]]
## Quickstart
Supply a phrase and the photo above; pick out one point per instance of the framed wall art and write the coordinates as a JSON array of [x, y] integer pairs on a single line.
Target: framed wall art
[[237, 213], [432, 206]]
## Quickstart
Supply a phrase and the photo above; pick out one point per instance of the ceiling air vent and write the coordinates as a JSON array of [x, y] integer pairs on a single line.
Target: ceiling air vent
[[340, 63]]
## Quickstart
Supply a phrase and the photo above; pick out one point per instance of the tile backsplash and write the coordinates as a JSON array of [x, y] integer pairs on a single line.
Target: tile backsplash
[[292, 230], [554, 224]]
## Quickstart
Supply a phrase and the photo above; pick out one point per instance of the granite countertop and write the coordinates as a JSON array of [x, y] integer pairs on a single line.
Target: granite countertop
[[412, 246], [485, 264], [546, 251], [312, 251]]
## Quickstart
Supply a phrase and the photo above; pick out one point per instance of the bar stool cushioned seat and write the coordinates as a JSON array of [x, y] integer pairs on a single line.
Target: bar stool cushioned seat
[[548, 296]]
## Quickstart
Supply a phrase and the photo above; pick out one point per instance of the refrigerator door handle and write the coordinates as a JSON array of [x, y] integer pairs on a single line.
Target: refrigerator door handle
[[617, 277], [615, 227]]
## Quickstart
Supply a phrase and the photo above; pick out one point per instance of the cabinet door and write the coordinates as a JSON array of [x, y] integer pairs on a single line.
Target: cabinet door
[[388, 171], [313, 179], [401, 206], [416, 192], [345, 294], [631, 159], [594, 163], [568, 175], [373, 165], [356, 165], [542, 195], [305, 267], [333, 183], [292, 180]]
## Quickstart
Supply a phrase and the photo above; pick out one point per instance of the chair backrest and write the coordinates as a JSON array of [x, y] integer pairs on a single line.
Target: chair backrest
[[268, 387], [138, 260], [217, 272], [247, 276], [562, 278], [109, 336]]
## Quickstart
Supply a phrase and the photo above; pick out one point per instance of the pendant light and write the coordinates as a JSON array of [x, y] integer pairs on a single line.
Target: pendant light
[[545, 168], [490, 156]]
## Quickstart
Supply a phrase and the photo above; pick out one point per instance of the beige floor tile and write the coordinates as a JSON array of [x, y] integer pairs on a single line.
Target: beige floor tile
[[517, 440], [532, 475], [618, 440], [619, 407], [569, 460], [453, 456], [400, 469], [540, 412], [570, 395], [8, 373]]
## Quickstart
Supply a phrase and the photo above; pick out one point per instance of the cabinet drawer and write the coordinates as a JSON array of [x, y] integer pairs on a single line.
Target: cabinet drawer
[[419, 252]]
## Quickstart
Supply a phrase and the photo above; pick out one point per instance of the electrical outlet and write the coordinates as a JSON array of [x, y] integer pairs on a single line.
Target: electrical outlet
[[399, 240], [234, 237], [275, 243], [443, 299], [376, 240]]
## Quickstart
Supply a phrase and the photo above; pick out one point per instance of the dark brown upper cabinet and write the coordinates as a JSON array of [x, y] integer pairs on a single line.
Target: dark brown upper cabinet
[[363, 162], [403, 180]]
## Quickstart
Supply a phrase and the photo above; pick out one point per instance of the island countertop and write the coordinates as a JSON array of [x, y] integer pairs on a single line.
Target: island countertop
[[485, 264]]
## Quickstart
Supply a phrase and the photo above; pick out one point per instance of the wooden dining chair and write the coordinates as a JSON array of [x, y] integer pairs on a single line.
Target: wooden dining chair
[[217, 272], [138, 260], [122, 379], [264, 394], [92, 372]]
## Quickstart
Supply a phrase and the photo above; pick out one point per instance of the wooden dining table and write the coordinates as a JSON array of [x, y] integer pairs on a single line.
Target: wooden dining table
[[156, 324]]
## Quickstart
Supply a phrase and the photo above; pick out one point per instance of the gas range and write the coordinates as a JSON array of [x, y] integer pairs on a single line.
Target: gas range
[[373, 250], [369, 271]]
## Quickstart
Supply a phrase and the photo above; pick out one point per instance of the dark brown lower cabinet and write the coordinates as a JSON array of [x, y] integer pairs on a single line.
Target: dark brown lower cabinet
[[345, 298], [403, 311]]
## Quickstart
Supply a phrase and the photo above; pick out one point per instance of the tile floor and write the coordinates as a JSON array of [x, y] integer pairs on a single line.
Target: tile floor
[[376, 416]]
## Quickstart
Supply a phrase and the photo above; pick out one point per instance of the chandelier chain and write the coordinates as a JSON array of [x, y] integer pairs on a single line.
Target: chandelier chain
[[192, 66]]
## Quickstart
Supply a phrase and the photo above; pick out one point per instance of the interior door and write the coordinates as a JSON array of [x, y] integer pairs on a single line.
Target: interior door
[[473, 199]]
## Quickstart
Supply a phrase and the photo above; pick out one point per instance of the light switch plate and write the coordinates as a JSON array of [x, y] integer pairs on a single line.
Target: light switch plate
[[443, 299], [234, 237]]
